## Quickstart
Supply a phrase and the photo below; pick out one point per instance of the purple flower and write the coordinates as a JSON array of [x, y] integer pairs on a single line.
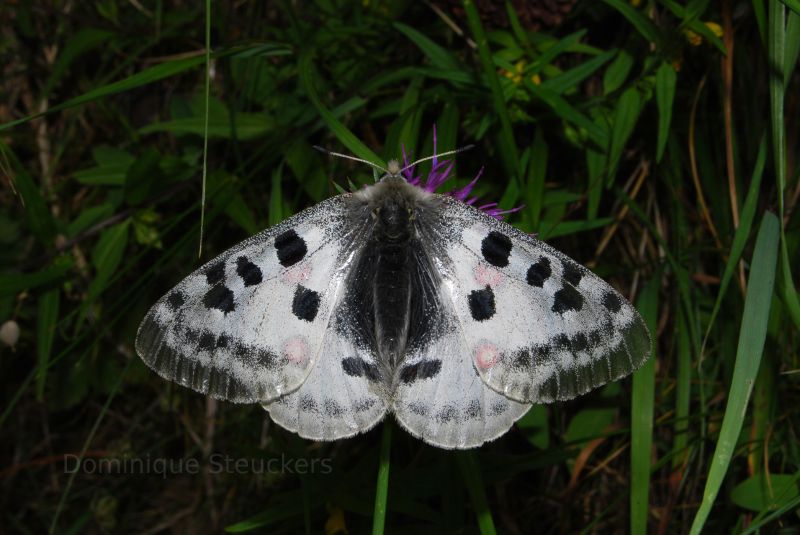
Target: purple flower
[[440, 172]]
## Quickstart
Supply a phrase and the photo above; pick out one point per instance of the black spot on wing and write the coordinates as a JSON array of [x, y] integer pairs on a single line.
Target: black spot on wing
[[248, 271], [358, 367], [579, 342], [215, 272], [481, 304], [207, 341], [473, 409], [539, 272], [448, 414], [176, 299], [612, 301], [418, 408], [219, 297], [495, 248], [572, 272], [305, 304], [332, 408], [421, 370], [290, 248], [363, 404], [567, 298], [499, 407], [307, 404]]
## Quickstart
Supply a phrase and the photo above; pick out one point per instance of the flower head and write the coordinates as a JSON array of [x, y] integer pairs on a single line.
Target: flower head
[[440, 172]]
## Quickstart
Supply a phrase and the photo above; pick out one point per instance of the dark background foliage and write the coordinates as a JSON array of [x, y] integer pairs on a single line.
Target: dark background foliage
[[653, 140]]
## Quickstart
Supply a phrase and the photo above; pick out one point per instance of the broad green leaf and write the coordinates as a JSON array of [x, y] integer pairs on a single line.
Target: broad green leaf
[[617, 72], [536, 427], [107, 255], [752, 335], [248, 126], [765, 491]]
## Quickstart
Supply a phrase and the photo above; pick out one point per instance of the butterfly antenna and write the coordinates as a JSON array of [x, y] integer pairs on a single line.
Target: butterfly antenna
[[448, 153], [348, 157]]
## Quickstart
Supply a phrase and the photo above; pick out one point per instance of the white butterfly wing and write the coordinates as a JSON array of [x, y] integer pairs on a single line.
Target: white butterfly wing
[[342, 396], [538, 326], [251, 324], [440, 399], [438, 396]]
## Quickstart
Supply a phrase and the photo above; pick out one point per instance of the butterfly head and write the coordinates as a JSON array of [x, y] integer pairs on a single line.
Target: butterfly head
[[393, 170]]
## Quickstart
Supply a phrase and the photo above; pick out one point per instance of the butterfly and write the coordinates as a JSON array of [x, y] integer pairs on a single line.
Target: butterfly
[[393, 299]]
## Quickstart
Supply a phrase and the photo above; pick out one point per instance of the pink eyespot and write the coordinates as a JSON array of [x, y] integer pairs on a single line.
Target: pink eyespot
[[486, 356], [297, 273], [296, 350], [488, 276]]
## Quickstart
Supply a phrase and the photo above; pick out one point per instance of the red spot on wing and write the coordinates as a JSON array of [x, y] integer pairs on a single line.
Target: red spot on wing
[[486, 356], [297, 273], [296, 350], [488, 276]]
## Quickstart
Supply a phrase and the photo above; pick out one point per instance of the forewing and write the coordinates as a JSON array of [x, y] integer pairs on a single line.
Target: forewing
[[538, 326], [250, 324]]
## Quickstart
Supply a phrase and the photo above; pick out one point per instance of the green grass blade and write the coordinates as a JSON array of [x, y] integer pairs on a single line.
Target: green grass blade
[[642, 408], [207, 97], [625, 118], [14, 283], [508, 145], [777, 46], [439, 56], [666, 79], [147, 76], [87, 442], [792, 46], [471, 472], [338, 129], [558, 48], [775, 52], [37, 215], [752, 335], [643, 25], [537, 173], [382, 488], [46, 320], [571, 78], [566, 111], [761, 18], [742, 233], [683, 391], [794, 5]]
